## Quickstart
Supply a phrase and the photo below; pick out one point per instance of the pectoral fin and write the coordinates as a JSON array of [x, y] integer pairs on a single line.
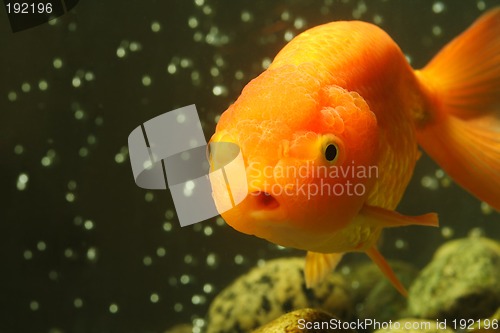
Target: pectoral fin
[[319, 265], [388, 218], [382, 264]]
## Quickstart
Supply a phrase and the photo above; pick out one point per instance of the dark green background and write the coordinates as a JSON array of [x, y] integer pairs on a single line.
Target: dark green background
[[126, 227]]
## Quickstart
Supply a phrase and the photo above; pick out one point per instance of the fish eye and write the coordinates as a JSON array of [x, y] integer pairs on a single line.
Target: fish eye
[[331, 152]]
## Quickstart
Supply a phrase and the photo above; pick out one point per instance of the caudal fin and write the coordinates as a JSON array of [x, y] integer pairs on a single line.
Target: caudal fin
[[462, 132]]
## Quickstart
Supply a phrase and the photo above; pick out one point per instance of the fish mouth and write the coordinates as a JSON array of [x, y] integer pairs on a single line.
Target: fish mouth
[[262, 200], [265, 207]]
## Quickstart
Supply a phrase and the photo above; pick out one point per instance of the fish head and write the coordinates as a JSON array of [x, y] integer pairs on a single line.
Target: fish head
[[307, 150]]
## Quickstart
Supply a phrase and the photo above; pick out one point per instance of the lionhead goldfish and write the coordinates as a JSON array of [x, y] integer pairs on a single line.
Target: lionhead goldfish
[[329, 135]]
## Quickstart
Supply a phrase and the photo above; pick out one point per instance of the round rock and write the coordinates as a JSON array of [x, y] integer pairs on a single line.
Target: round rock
[[269, 291], [462, 281]]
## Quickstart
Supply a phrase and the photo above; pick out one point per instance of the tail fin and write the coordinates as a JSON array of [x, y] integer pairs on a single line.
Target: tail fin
[[462, 132]]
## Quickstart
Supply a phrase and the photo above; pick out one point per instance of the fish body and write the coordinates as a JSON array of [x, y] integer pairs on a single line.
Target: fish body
[[329, 134]]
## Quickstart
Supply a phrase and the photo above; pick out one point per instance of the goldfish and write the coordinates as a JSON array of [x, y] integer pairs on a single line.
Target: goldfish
[[330, 135]]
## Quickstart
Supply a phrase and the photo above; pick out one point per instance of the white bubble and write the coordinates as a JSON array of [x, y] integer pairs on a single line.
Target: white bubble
[[436, 30], [88, 225], [92, 254], [438, 7], [167, 226], [378, 19], [70, 197], [149, 196], [79, 114], [208, 288], [43, 85], [146, 80], [154, 298], [299, 23], [27, 254], [155, 26], [429, 182], [239, 259], [22, 181], [198, 299], [57, 63], [288, 36], [161, 252], [208, 231], [12, 96], [89, 76], [190, 185], [192, 22], [113, 308], [486, 209], [41, 246], [78, 303], [246, 16], [285, 16], [26, 87], [219, 90], [185, 62], [447, 232], [34, 305], [120, 52], [188, 259], [185, 279], [76, 82], [181, 118], [147, 261], [266, 62], [212, 259], [400, 244]]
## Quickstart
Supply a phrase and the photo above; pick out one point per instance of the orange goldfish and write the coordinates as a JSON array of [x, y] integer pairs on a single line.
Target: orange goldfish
[[329, 135]]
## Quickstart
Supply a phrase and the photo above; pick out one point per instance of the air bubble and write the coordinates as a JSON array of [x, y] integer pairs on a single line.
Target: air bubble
[[113, 308], [22, 181], [147, 261], [146, 80], [57, 63], [486, 209], [192, 22], [447, 232], [155, 26], [246, 16], [12, 96], [26, 87], [266, 62], [154, 298], [120, 52], [438, 7], [429, 183], [43, 85]]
